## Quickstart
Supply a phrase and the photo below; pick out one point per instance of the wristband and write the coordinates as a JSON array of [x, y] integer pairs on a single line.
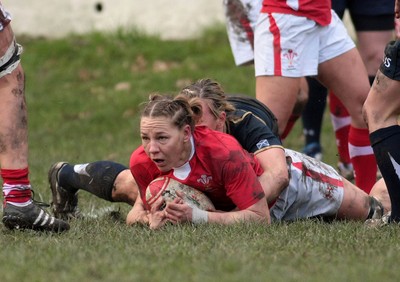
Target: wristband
[[199, 216]]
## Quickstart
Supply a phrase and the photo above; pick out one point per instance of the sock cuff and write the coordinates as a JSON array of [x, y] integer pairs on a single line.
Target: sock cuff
[[381, 134], [15, 176], [359, 137]]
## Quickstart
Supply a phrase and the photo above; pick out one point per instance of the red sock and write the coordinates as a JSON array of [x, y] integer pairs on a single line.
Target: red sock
[[16, 185], [341, 125], [362, 158], [291, 122]]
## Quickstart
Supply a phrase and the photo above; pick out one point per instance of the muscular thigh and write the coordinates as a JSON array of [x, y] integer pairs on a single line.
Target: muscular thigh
[[371, 45], [279, 94], [347, 77], [382, 106]]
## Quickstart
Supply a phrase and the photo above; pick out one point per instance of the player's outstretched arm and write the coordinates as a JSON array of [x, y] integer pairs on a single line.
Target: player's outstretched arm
[[138, 214], [179, 212]]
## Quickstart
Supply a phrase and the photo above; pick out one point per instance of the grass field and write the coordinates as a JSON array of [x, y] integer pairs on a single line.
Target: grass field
[[83, 95]]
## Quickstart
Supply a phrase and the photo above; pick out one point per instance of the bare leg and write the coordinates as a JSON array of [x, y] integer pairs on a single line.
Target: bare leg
[[269, 90], [125, 188], [355, 204], [380, 192], [20, 211], [347, 77]]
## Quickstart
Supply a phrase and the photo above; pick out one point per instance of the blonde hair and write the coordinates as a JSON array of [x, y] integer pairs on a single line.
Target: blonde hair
[[177, 109], [212, 92]]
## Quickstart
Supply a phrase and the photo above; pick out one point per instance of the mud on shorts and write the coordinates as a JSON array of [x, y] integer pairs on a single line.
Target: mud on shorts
[[5, 17], [315, 190], [241, 19], [390, 66]]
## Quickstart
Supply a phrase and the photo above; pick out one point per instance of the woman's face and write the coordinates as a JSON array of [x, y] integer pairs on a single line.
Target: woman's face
[[208, 118], [164, 143]]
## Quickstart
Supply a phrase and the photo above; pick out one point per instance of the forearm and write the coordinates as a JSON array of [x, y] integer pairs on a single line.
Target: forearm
[[179, 212], [276, 176], [227, 218], [273, 183]]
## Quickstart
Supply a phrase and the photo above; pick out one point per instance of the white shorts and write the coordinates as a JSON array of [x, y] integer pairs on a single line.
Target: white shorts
[[5, 17], [315, 190], [293, 46], [241, 19]]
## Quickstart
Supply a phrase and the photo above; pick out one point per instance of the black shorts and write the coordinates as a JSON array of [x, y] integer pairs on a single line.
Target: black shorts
[[390, 66], [367, 15]]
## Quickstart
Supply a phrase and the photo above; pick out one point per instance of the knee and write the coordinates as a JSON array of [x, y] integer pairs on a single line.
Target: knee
[[373, 115], [301, 101], [125, 188]]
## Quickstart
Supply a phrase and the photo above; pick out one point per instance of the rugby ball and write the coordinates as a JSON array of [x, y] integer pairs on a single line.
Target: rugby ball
[[166, 188]]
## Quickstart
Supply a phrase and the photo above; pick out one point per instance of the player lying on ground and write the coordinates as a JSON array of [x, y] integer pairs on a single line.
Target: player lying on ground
[[209, 161], [114, 182]]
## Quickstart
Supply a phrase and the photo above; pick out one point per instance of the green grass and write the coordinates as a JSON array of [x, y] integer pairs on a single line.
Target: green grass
[[83, 95]]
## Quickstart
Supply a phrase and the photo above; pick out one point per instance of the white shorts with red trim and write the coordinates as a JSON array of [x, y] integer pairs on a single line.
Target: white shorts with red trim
[[293, 46], [241, 19], [315, 190]]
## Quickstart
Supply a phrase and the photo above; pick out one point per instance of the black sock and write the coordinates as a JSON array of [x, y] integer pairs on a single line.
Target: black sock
[[385, 143], [96, 178], [314, 110]]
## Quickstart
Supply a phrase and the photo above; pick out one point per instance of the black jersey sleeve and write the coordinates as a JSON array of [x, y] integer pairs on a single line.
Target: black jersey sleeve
[[251, 104], [251, 131], [390, 66]]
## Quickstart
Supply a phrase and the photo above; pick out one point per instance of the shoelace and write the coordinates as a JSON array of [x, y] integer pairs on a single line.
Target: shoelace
[[39, 203]]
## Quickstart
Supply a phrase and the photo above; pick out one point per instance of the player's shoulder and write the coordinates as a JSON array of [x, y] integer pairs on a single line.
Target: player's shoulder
[[206, 134], [214, 141]]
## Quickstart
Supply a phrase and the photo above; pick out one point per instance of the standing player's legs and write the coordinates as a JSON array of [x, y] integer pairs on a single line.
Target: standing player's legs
[[19, 209], [286, 50], [381, 110], [371, 45], [341, 121], [312, 118], [280, 100], [374, 25], [342, 70], [346, 76]]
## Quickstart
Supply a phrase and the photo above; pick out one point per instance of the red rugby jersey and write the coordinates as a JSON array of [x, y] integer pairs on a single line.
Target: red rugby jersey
[[316, 10], [220, 168]]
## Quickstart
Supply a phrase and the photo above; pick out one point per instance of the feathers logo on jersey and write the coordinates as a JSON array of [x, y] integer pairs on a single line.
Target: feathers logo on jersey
[[290, 56], [204, 179]]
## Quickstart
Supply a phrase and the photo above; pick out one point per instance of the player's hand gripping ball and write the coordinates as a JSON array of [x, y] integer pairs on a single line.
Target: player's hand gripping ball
[[166, 188]]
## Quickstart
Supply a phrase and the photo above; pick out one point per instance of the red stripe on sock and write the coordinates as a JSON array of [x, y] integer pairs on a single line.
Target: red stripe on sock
[[337, 109], [365, 166], [18, 196], [15, 176]]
